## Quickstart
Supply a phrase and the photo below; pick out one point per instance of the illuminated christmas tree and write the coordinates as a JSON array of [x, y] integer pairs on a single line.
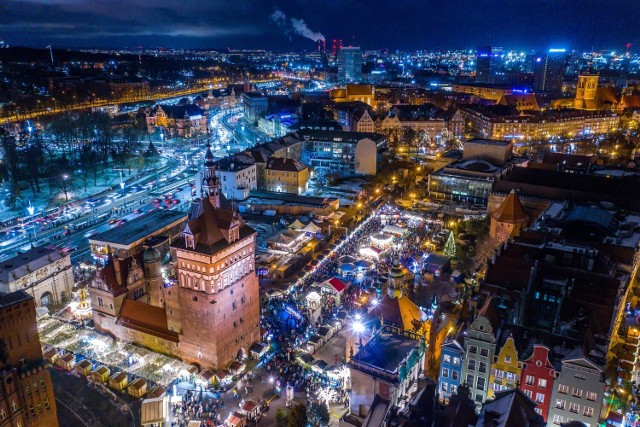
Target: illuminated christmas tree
[[450, 246]]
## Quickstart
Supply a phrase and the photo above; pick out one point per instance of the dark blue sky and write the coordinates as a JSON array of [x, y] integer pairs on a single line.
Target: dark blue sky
[[393, 24]]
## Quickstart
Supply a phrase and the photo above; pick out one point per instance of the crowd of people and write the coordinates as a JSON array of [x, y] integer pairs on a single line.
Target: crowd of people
[[289, 321]]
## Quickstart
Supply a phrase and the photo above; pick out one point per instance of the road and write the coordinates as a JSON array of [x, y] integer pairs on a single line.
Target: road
[[102, 212]]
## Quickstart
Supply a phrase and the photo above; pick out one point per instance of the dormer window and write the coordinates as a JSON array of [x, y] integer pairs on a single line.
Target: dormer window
[[189, 241]]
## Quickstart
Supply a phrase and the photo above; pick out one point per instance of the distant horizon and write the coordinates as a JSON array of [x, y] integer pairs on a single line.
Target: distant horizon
[[295, 25], [505, 47]]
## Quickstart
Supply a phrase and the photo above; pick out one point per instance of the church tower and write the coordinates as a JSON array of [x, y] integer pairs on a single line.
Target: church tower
[[210, 185], [154, 286], [586, 92], [395, 279]]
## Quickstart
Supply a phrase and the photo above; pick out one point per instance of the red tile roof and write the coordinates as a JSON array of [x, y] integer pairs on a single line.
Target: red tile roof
[[146, 318]]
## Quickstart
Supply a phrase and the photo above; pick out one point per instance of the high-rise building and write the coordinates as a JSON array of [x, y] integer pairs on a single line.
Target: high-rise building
[[549, 70], [349, 65], [489, 65], [26, 390]]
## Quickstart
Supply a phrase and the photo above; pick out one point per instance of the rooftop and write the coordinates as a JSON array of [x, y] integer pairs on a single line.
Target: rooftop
[[385, 351], [291, 198], [488, 142], [7, 300], [287, 165], [338, 136], [139, 228], [25, 263]]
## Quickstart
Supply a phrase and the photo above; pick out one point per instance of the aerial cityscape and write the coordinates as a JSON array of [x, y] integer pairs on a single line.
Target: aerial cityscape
[[312, 214]]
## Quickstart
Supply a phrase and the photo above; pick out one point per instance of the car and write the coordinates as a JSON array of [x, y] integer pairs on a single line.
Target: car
[[178, 189], [156, 200], [175, 201], [113, 221], [137, 211]]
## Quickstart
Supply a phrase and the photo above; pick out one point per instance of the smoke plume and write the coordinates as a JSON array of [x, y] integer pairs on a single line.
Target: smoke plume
[[297, 25]]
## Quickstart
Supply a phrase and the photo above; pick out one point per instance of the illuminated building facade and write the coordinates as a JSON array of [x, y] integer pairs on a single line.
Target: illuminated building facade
[[586, 92], [45, 274], [549, 70], [286, 176], [489, 65], [349, 65], [506, 123], [342, 152], [217, 306], [494, 93], [203, 305], [26, 390], [177, 120]]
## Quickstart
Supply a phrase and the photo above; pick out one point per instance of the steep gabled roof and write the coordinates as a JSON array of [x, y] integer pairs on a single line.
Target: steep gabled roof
[[510, 408], [490, 311], [511, 210]]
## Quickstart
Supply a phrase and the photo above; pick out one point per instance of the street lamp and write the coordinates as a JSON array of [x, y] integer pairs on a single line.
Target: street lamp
[[65, 177], [122, 188]]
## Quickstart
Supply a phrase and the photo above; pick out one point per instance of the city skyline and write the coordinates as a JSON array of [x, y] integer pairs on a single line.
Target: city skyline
[[298, 24]]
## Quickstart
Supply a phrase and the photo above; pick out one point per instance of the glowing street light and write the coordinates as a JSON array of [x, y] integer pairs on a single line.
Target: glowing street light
[[358, 327], [31, 209]]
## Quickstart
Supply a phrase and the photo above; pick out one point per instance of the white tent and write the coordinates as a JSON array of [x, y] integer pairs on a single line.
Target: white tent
[[313, 299], [297, 225], [311, 228]]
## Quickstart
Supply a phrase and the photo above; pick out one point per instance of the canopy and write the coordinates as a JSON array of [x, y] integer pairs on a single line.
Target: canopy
[[235, 419], [370, 252], [297, 225], [311, 228], [313, 296], [363, 263], [336, 284], [347, 259], [381, 238], [347, 267], [393, 229]]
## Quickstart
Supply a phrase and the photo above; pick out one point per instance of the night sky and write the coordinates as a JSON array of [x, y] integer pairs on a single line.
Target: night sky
[[273, 24]]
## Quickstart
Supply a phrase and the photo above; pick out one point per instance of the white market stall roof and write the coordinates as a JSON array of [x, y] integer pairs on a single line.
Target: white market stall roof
[[311, 228], [297, 225], [394, 229], [369, 251], [313, 296]]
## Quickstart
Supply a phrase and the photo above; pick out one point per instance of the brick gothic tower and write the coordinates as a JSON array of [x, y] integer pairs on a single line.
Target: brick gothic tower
[[217, 290], [153, 277]]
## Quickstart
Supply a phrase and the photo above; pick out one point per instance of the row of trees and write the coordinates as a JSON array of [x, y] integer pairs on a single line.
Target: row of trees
[[72, 149]]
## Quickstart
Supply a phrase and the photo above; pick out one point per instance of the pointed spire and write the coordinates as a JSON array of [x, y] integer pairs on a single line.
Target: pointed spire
[[208, 158], [434, 303]]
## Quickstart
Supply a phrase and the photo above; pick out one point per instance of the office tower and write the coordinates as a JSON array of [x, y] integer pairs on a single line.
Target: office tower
[[549, 70], [489, 65], [349, 65]]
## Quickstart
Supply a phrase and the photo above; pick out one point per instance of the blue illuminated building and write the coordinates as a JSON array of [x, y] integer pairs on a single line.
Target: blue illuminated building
[[450, 369]]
